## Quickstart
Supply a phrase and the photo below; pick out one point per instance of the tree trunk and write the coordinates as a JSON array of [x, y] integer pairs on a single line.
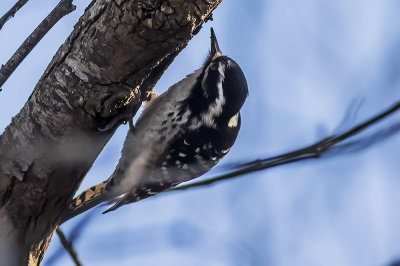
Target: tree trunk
[[99, 76]]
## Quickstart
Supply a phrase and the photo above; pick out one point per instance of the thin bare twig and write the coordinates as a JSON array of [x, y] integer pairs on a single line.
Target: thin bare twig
[[68, 246], [11, 13], [74, 234], [332, 145], [63, 8], [316, 150]]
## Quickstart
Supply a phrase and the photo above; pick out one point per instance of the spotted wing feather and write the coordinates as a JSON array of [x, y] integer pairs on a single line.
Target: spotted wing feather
[[158, 126], [186, 158]]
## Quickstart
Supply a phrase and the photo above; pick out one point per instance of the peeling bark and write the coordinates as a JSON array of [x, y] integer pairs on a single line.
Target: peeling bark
[[116, 53]]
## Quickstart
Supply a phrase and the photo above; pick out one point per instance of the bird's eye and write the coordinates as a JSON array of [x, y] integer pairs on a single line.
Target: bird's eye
[[214, 66]]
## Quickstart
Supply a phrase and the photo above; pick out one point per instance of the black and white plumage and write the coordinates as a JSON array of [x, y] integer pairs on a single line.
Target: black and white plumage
[[181, 135]]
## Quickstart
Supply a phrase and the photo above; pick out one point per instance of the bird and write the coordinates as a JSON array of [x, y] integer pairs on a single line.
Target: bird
[[179, 136]]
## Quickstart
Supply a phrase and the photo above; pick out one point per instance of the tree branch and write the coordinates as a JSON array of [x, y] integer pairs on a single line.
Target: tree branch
[[104, 68], [68, 246], [11, 13], [333, 145], [329, 146], [63, 8]]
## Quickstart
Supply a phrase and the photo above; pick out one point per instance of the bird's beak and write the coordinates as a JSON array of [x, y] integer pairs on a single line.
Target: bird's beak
[[215, 51]]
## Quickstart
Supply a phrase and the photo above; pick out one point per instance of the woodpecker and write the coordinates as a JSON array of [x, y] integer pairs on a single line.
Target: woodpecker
[[181, 135]]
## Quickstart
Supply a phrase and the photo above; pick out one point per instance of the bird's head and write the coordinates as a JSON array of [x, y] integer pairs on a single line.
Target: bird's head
[[223, 85]]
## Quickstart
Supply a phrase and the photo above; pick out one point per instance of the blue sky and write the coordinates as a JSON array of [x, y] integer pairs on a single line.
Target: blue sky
[[305, 62]]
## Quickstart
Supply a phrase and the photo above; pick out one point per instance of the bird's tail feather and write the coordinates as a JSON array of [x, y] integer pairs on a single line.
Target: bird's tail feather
[[86, 200]]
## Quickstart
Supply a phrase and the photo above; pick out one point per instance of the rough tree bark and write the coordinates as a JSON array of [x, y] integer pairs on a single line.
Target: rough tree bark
[[100, 75]]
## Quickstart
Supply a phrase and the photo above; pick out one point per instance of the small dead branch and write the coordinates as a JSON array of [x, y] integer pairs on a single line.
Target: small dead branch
[[336, 144], [63, 8], [11, 13], [68, 247]]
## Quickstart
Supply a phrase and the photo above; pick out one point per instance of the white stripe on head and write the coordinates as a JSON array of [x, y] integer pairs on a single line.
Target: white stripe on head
[[215, 108]]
